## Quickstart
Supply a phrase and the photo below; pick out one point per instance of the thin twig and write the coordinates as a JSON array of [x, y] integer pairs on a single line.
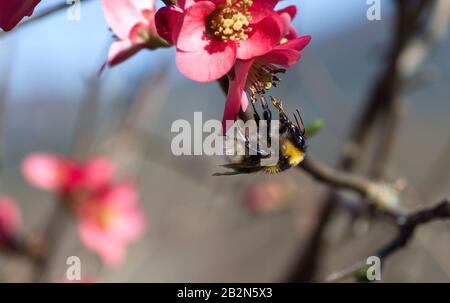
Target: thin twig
[[406, 225], [345, 273], [334, 178]]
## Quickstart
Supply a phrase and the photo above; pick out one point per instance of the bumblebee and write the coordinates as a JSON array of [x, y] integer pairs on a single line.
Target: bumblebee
[[292, 146]]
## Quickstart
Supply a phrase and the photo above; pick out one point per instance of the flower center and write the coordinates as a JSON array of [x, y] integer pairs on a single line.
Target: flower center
[[106, 216], [230, 21]]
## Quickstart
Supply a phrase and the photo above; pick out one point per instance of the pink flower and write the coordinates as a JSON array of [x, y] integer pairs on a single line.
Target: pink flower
[[133, 23], [109, 215], [211, 34], [255, 76], [265, 196], [110, 220], [65, 176], [12, 11], [10, 221]]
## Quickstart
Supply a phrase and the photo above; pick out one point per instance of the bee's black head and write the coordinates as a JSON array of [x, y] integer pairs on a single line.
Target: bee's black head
[[297, 136]]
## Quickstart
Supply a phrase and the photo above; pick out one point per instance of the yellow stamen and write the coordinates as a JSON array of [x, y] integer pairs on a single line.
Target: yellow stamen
[[106, 216], [231, 20], [261, 78]]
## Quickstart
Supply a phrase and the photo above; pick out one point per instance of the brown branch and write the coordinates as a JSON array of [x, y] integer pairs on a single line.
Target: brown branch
[[334, 178], [406, 225], [345, 273], [383, 196]]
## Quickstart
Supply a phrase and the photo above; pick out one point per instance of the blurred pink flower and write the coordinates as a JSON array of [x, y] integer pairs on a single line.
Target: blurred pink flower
[[59, 174], [10, 221], [133, 23], [109, 215], [110, 220], [265, 196], [255, 76], [211, 34], [12, 11]]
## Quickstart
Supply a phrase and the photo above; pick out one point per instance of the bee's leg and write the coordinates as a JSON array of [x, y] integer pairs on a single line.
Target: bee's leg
[[267, 116], [255, 113], [233, 173]]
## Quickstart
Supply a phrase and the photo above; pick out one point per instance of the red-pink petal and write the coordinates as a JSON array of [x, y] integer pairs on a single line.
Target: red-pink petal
[[10, 217], [130, 226], [122, 50], [287, 21], [261, 9], [265, 35], [290, 10], [298, 43], [288, 53], [236, 97], [142, 32], [267, 4], [288, 14], [98, 172], [122, 15], [13, 11], [166, 19], [111, 252], [283, 57], [209, 63], [192, 36], [123, 196], [185, 4], [46, 171], [292, 33]]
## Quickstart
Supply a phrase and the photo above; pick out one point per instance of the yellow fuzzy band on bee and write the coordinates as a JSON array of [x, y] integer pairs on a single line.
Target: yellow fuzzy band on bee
[[292, 153]]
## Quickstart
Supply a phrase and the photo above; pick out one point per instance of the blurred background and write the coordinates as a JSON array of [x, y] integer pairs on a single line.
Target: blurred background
[[203, 228]]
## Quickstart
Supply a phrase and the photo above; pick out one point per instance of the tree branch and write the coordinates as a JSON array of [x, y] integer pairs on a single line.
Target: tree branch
[[406, 225], [334, 178]]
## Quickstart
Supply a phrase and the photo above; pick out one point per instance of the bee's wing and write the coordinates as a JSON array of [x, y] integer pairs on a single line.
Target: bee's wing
[[242, 145], [244, 155]]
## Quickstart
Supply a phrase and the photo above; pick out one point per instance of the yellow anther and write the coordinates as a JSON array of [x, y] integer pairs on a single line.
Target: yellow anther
[[283, 40], [231, 20], [237, 25]]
